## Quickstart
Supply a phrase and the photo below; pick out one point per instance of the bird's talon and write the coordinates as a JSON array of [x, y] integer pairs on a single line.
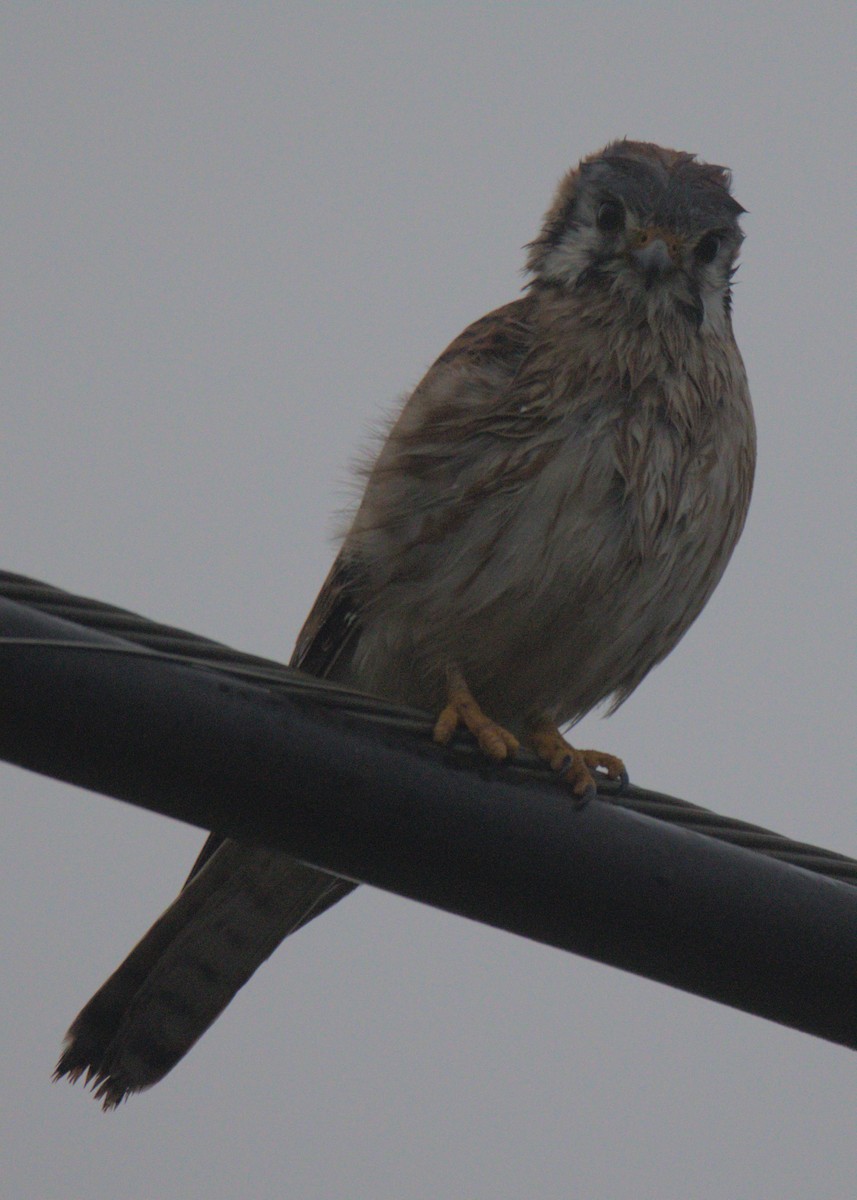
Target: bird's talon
[[604, 764], [622, 783], [581, 799], [580, 768], [461, 709], [446, 725], [582, 782]]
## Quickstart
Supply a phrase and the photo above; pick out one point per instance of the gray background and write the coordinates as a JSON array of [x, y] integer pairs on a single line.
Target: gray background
[[235, 233]]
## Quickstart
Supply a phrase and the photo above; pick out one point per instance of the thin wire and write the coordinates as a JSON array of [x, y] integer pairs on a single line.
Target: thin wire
[[148, 639]]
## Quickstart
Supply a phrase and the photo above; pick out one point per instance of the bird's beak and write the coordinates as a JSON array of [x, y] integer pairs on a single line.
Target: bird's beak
[[656, 252]]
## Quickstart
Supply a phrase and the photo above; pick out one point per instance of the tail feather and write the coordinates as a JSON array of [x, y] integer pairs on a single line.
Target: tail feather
[[231, 915]]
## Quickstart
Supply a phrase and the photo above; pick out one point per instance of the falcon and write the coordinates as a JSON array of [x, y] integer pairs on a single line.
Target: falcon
[[548, 515]]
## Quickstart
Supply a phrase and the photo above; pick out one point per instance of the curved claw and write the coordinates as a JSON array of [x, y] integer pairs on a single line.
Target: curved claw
[[621, 782], [580, 768], [611, 766]]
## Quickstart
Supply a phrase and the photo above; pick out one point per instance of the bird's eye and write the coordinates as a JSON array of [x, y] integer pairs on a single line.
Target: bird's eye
[[707, 247], [610, 217]]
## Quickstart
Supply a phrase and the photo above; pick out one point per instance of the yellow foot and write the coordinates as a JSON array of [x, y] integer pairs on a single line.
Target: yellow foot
[[575, 766], [462, 709]]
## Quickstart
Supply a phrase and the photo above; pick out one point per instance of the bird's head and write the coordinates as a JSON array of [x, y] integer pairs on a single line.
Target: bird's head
[[652, 229]]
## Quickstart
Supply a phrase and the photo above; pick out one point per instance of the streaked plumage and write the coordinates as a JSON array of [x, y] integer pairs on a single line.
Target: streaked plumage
[[550, 512]]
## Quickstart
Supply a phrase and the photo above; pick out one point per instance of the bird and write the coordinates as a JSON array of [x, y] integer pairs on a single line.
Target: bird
[[548, 514]]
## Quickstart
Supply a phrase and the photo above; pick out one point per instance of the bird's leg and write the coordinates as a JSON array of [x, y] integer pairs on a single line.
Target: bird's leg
[[462, 709], [575, 766]]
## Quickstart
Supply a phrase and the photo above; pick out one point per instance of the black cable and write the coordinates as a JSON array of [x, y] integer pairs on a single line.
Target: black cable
[[180, 646], [367, 801]]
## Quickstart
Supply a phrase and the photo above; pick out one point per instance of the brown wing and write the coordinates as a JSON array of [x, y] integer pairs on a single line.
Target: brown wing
[[330, 630], [233, 913], [487, 356], [500, 338]]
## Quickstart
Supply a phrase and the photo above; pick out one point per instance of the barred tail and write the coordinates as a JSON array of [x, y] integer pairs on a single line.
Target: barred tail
[[231, 915]]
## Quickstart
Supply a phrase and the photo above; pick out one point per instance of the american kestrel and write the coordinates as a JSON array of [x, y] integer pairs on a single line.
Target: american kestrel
[[549, 513]]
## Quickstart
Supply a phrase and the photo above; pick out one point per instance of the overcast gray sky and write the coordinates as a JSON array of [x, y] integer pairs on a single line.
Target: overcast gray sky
[[234, 234]]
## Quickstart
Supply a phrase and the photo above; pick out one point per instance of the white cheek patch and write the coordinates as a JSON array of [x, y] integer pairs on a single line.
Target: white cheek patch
[[572, 255], [580, 247], [711, 293]]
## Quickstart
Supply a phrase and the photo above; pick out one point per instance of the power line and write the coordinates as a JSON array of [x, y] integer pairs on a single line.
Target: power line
[[194, 730]]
